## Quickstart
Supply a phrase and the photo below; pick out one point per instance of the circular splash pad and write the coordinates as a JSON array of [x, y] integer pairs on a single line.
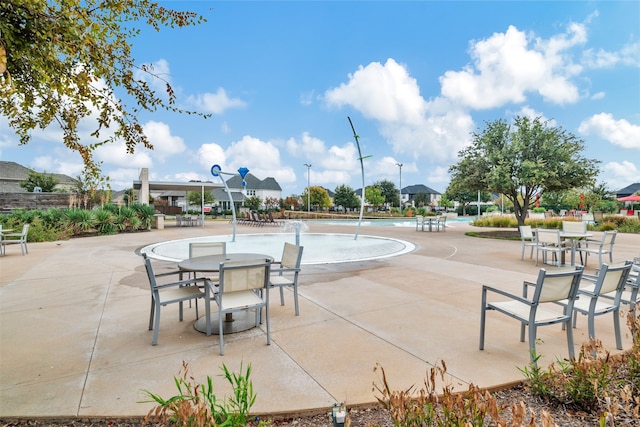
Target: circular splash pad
[[319, 248]]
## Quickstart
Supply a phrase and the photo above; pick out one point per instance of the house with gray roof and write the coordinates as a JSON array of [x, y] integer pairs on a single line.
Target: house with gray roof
[[12, 174], [628, 190], [409, 192]]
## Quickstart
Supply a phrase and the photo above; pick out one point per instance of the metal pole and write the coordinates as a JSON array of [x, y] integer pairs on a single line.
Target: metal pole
[[400, 191], [308, 165], [357, 138]]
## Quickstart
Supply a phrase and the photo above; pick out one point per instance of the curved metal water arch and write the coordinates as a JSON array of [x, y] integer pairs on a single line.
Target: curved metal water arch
[[217, 171], [355, 135]]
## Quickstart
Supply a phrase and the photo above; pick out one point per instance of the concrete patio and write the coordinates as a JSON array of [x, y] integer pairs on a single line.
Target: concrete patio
[[74, 338]]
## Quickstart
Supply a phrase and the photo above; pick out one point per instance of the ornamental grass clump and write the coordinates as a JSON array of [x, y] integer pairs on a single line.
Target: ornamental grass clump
[[473, 407], [196, 405]]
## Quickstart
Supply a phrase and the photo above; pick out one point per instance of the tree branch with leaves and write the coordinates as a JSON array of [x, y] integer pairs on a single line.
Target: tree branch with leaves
[[67, 61], [522, 160]]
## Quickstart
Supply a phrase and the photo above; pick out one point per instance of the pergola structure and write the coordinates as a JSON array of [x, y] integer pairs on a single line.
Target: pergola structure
[[144, 187]]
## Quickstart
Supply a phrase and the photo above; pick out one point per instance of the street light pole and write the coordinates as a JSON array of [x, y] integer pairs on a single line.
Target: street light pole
[[400, 200], [308, 165]]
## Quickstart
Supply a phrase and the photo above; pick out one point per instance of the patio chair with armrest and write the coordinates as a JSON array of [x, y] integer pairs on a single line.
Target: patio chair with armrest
[[287, 274], [610, 281], [528, 240], [549, 242], [599, 247], [243, 286], [534, 312], [164, 293], [16, 239]]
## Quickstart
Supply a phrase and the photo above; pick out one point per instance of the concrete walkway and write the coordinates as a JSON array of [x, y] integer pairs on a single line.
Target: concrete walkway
[[74, 314]]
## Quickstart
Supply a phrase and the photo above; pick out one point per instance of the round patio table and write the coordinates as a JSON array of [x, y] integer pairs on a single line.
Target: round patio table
[[242, 321]]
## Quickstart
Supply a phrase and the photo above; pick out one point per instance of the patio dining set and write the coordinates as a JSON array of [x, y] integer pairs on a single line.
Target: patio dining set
[[237, 283]]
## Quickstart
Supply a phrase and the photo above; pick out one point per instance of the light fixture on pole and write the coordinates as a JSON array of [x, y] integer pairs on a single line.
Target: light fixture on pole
[[400, 191], [308, 165]]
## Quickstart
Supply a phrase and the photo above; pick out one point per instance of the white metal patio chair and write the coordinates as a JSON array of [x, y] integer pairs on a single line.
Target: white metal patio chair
[[528, 240], [287, 274], [550, 288], [16, 239], [243, 286], [549, 242], [602, 247], [164, 293], [610, 281]]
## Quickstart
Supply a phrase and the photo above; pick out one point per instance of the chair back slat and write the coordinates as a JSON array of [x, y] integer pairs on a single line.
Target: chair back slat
[[612, 278], [609, 237], [548, 236], [207, 248], [574, 227], [291, 255], [244, 275], [557, 286], [150, 274], [526, 233]]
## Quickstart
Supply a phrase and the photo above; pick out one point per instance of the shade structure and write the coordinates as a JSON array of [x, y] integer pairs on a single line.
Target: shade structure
[[632, 198]]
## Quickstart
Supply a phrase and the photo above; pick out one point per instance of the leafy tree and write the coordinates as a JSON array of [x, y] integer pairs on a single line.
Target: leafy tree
[[45, 181], [291, 202], [389, 192], [346, 197], [253, 203], [95, 189], [522, 160], [319, 197], [195, 198], [373, 196], [271, 203], [456, 191], [421, 199], [63, 61]]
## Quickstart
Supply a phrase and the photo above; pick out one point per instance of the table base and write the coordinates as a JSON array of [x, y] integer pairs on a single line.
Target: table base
[[241, 321]]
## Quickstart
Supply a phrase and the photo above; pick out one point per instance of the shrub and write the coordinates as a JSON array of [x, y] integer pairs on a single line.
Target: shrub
[[78, 220]]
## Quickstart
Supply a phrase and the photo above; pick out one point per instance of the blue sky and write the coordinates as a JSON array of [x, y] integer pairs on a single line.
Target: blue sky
[[416, 77]]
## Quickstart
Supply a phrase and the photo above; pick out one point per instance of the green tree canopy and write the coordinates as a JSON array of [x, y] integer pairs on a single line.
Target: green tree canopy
[[389, 192], [62, 62], [346, 197], [421, 199], [253, 203], [319, 197], [45, 181], [521, 160], [195, 198], [373, 196]]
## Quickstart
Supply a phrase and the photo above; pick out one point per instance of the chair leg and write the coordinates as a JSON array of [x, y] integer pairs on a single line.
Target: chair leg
[[156, 328], [281, 296], [616, 326], [572, 353], [483, 315], [220, 332], [151, 313], [295, 299]]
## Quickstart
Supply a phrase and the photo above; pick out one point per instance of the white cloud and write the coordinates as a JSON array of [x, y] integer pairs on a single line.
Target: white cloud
[[629, 55], [508, 65], [434, 131], [164, 144], [262, 159], [598, 95], [618, 132], [215, 103], [619, 175]]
